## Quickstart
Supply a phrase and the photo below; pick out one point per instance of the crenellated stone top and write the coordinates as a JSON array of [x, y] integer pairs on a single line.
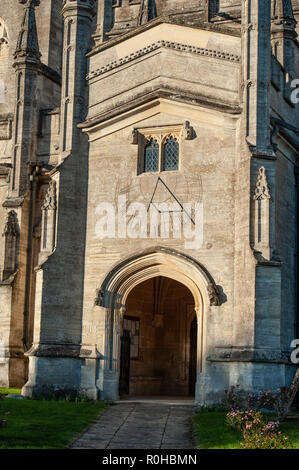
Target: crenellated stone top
[[127, 15]]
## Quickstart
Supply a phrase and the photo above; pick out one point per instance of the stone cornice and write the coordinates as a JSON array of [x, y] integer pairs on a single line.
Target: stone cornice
[[50, 73], [26, 63], [159, 94], [156, 22], [286, 130], [13, 202], [63, 350], [249, 355], [164, 44]]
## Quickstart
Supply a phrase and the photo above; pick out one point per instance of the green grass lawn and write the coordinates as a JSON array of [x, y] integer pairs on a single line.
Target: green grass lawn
[[41, 424], [211, 431], [5, 391]]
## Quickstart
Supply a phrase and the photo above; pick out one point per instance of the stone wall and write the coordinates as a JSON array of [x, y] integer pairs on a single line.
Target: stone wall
[[44, 93], [182, 73]]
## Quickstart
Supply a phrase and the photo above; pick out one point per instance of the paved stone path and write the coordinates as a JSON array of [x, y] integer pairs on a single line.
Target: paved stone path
[[140, 426]]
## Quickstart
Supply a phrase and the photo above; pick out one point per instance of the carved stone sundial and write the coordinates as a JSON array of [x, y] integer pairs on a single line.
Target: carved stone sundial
[[157, 188]]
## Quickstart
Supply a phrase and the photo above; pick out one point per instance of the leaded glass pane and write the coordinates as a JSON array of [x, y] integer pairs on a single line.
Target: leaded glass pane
[[151, 156], [171, 154]]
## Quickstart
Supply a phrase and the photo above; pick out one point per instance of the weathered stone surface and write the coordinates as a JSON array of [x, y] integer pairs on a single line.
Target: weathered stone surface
[[83, 90]]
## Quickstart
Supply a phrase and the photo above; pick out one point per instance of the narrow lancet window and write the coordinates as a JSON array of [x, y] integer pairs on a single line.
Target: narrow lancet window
[[151, 156], [171, 154]]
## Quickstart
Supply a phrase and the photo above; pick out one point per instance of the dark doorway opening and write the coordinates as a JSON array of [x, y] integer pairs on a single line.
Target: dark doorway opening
[[159, 341], [124, 377], [193, 357]]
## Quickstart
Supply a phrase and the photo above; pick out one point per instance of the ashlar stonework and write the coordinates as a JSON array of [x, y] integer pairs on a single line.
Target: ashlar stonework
[[136, 106]]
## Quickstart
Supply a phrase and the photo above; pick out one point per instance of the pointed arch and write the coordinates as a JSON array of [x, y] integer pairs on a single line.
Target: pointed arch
[[125, 276], [155, 262]]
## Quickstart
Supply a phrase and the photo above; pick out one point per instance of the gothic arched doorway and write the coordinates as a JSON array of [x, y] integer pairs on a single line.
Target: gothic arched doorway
[[159, 340], [134, 272]]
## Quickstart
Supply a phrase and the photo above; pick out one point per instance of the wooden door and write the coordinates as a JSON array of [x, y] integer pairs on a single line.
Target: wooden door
[[193, 357], [124, 379]]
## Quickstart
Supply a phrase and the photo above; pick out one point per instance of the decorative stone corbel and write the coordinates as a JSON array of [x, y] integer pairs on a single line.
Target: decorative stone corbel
[[99, 300], [187, 131], [134, 137], [122, 311], [214, 295]]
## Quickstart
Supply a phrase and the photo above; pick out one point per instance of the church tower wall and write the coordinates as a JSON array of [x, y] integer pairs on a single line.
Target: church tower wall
[[189, 102]]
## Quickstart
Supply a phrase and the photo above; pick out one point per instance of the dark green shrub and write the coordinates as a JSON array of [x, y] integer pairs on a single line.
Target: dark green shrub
[[61, 394]]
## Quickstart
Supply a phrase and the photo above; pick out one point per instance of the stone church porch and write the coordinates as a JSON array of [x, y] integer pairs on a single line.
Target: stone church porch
[[162, 356]]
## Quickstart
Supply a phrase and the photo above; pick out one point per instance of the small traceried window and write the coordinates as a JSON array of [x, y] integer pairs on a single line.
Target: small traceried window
[[159, 148], [161, 154], [132, 324]]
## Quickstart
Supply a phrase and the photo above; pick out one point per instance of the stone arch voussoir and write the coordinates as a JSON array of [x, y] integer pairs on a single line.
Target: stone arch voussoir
[[155, 262]]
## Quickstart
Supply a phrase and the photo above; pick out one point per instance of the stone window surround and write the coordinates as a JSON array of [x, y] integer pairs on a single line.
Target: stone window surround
[[142, 136]]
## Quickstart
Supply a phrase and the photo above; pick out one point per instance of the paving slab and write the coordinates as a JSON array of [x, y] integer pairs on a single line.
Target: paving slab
[[140, 425]]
